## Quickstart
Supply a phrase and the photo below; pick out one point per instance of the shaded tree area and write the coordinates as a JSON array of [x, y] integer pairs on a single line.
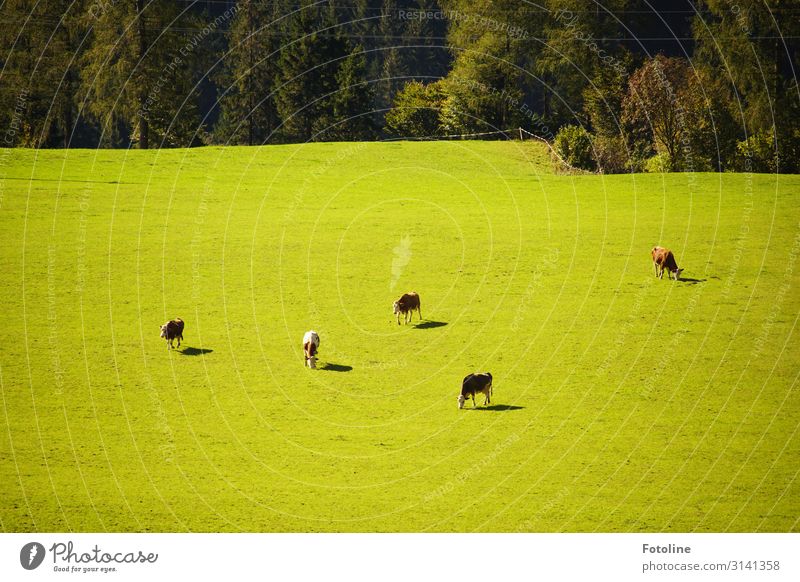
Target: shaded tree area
[[247, 75], [138, 73], [625, 85], [750, 53], [652, 85], [39, 48], [167, 73]]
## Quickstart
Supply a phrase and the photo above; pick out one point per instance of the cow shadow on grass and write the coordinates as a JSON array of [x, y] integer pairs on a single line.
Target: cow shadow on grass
[[195, 351], [690, 280], [499, 407], [430, 324], [335, 367]]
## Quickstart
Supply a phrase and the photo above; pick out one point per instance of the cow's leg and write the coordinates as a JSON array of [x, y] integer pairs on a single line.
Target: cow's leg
[[474, 400], [419, 312]]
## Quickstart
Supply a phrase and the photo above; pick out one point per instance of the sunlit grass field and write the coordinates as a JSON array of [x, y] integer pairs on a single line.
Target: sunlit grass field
[[621, 402]]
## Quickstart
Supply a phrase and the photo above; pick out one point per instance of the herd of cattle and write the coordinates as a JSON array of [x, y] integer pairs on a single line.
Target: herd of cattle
[[472, 384]]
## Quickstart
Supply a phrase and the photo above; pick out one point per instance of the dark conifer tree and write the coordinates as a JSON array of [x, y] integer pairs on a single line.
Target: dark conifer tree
[[249, 74], [309, 61], [353, 101]]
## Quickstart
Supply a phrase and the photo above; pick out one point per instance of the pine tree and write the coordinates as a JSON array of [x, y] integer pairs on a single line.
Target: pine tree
[[139, 72], [38, 47], [248, 80], [353, 102], [308, 64], [575, 51], [748, 49]]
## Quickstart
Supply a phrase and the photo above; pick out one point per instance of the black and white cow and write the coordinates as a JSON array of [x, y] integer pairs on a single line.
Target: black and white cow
[[172, 330], [473, 384]]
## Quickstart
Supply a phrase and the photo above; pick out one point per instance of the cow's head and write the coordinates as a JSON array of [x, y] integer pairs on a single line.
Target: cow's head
[[461, 401], [678, 273], [396, 307], [164, 330]]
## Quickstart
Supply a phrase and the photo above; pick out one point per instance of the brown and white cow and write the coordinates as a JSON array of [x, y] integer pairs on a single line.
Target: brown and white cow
[[310, 347], [172, 330], [664, 259], [406, 305], [474, 384]]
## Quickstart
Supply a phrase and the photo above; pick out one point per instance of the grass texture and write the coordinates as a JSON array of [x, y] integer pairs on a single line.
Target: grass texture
[[621, 402]]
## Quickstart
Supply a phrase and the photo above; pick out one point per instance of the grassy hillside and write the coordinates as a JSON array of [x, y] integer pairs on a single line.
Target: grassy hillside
[[622, 402]]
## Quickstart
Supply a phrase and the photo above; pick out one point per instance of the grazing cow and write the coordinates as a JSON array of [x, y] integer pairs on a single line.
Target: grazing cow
[[474, 384], [172, 330], [664, 259], [310, 347], [406, 305]]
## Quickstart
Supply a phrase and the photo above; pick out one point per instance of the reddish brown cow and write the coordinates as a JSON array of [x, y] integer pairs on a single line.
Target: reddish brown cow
[[664, 259]]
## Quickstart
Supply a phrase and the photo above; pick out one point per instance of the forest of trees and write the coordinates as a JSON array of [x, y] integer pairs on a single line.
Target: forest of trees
[[614, 85]]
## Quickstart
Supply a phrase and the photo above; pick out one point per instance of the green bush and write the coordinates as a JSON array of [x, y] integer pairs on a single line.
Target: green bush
[[574, 145], [756, 153], [416, 110], [610, 154], [658, 164]]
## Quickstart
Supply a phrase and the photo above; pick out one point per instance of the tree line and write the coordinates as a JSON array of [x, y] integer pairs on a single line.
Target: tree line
[[614, 85]]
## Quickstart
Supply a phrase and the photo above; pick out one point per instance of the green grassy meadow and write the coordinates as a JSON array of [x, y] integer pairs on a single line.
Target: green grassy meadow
[[621, 402]]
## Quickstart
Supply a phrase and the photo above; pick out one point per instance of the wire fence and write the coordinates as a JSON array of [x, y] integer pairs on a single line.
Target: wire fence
[[517, 132]]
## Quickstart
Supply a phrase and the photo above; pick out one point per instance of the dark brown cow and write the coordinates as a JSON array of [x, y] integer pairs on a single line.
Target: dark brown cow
[[474, 384], [172, 330], [406, 305], [664, 259]]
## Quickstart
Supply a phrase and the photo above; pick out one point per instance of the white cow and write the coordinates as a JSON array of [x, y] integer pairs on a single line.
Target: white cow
[[310, 347]]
